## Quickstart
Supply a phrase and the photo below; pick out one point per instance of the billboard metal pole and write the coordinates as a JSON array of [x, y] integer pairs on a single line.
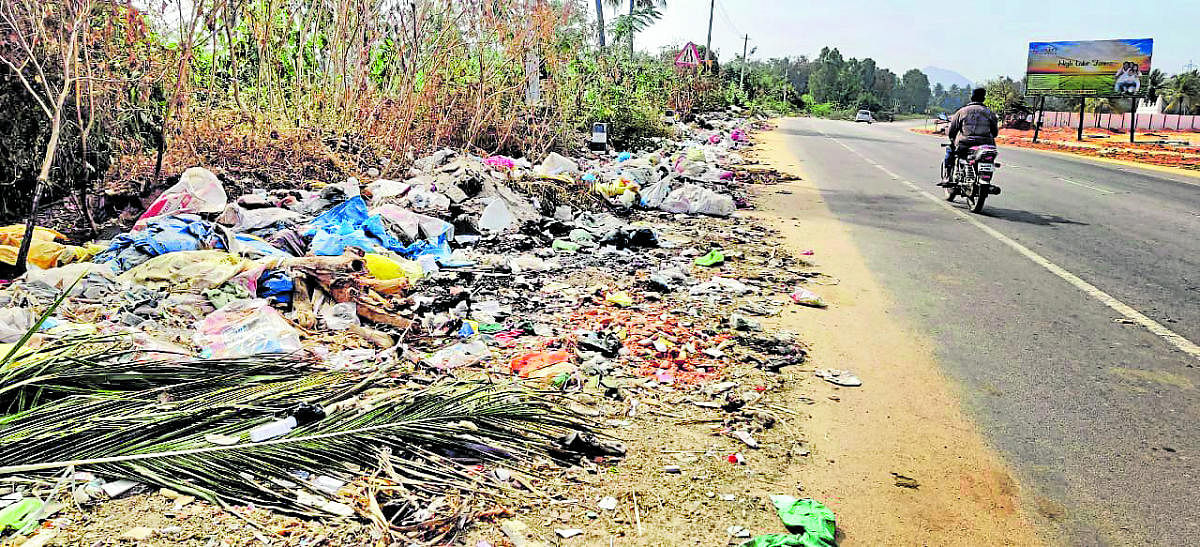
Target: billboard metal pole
[[1132, 118], [1079, 135], [1037, 126]]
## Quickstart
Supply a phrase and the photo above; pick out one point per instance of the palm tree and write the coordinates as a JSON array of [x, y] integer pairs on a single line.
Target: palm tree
[[1155, 82], [600, 21], [642, 13], [1182, 91]]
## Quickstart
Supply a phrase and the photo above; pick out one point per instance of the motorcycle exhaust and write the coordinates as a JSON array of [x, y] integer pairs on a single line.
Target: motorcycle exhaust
[[994, 190]]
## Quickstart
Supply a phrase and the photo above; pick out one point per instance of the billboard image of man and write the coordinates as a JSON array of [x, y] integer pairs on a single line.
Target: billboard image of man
[[1129, 79]]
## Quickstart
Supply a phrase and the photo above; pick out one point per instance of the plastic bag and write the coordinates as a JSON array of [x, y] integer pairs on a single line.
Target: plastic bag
[[695, 199], [556, 164], [186, 270], [384, 267], [653, 196], [496, 217], [198, 191], [340, 316], [457, 355], [530, 362], [383, 189], [342, 218], [14, 323], [500, 163], [245, 328], [805, 297]]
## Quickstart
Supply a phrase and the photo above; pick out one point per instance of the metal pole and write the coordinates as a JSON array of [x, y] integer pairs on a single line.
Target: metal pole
[[1079, 134], [1037, 126], [1132, 119], [708, 42], [742, 80]]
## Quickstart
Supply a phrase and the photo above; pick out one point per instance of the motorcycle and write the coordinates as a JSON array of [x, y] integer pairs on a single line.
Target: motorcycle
[[972, 176]]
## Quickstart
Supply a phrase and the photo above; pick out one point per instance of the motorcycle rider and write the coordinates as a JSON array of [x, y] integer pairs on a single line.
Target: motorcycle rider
[[973, 125]]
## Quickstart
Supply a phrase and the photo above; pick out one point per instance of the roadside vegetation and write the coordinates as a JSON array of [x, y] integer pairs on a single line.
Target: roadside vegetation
[[108, 99]]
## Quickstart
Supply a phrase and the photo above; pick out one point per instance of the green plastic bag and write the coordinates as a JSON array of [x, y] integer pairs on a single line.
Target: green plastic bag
[[565, 246], [19, 515], [818, 523], [714, 258]]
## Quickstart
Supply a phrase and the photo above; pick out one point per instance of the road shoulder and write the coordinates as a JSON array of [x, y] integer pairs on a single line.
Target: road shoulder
[[905, 419]]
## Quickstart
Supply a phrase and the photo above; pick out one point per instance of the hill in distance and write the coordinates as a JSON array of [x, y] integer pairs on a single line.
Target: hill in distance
[[945, 76]]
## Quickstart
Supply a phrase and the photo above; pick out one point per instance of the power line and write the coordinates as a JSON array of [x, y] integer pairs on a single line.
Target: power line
[[725, 17]]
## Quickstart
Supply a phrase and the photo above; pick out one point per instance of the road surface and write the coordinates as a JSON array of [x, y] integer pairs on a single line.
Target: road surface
[[1065, 313]]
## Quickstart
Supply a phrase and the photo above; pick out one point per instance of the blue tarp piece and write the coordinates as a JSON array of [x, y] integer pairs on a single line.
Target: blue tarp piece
[[276, 287], [347, 225], [259, 248], [162, 235]]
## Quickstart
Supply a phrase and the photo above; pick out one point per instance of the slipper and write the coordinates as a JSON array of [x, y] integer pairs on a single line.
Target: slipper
[[842, 378]]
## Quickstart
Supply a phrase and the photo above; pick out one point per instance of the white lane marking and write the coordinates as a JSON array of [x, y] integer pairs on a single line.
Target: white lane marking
[[1181, 343], [1088, 186]]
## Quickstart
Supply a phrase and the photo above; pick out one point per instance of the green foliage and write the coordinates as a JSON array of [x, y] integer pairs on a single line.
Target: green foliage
[[1006, 97], [1182, 92], [913, 92]]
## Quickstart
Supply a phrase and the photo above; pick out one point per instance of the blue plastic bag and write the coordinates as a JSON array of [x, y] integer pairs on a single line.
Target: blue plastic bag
[[342, 218]]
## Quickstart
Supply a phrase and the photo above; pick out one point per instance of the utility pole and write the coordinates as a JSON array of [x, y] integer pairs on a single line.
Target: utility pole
[[708, 43], [742, 79]]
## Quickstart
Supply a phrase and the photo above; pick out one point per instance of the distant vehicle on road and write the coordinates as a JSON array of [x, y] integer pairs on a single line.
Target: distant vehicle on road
[[864, 116], [885, 116]]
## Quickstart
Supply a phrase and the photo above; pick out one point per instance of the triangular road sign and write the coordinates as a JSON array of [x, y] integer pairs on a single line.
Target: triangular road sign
[[689, 57]]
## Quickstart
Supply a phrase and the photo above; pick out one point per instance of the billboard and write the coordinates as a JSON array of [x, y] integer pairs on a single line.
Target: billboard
[[1103, 68]]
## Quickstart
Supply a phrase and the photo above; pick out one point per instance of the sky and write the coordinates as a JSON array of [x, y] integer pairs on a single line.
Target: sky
[[979, 39]]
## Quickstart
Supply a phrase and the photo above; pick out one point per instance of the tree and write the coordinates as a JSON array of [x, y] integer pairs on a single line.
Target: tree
[[1182, 92], [642, 14], [884, 87], [600, 22], [43, 38], [1006, 98], [914, 91], [1155, 82], [823, 81]]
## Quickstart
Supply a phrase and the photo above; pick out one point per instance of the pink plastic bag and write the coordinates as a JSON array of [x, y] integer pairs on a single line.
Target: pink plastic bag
[[501, 163]]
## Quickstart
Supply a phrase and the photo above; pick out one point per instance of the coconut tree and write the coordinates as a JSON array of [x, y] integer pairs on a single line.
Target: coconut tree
[[1155, 81], [600, 21], [1182, 92], [642, 14]]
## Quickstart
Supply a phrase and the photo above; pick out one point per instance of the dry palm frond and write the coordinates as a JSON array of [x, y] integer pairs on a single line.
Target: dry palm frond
[[430, 435]]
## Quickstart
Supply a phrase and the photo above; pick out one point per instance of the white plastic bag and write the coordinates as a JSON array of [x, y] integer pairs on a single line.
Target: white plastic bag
[[694, 199], [463, 353], [655, 194], [496, 217], [556, 164], [198, 191], [340, 316]]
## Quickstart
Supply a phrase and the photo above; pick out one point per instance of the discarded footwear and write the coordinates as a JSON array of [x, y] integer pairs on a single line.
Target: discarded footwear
[[714, 258], [842, 378]]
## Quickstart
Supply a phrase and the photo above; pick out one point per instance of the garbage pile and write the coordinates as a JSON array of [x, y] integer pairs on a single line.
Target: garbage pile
[[429, 333]]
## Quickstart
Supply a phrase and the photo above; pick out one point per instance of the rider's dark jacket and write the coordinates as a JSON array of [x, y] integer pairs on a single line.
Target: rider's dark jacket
[[973, 125]]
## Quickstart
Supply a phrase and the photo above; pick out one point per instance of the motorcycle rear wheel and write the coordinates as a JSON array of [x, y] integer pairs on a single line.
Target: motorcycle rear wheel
[[976, 198]]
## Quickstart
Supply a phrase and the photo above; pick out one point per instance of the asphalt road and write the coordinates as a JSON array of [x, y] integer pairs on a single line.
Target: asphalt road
[[1099, 416]]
